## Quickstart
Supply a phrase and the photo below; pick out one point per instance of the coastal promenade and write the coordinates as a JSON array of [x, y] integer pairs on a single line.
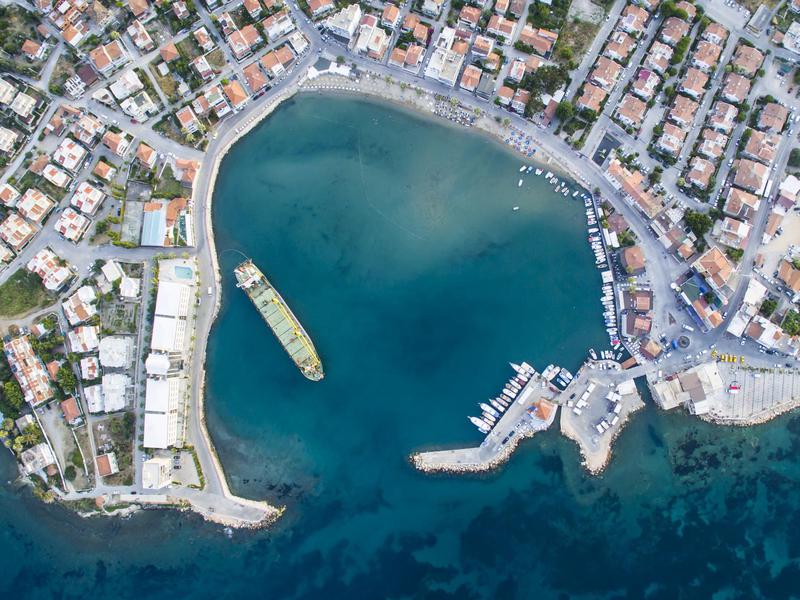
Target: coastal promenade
[[217, 502]]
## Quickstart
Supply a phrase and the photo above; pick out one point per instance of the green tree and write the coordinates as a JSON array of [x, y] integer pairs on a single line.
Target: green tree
[[66, 378], [565, 110], [768, 307], [698, 222], [791, 322], [735, 254], [794, 158], [70, 473], [13, 394]]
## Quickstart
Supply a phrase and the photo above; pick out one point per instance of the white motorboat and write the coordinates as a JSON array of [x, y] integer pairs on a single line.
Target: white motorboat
[[486, 408], [481, 425]]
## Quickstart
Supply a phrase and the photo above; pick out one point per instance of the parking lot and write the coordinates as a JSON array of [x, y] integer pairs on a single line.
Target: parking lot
[[594, 414]]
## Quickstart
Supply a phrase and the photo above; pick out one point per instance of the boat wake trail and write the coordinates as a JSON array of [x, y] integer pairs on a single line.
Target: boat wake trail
[[375, 208]]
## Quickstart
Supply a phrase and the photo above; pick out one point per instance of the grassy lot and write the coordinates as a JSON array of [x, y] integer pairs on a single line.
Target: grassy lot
[[188, 48], [119, 430], [167, 84], [784, 18], [169, 129], [32, 180], [752, 5], [64, 69], [548, 17], [22, 293], [575, 38], [118, 317], [148, 87], [17, 25], [216, 58], [168, 186]]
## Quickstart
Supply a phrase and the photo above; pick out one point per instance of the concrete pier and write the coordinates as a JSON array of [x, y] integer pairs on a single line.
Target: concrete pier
[[595, 407], [594, 414], [533, 410]]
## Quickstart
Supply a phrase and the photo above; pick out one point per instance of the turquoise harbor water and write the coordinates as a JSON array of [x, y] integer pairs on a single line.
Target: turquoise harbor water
[[394, 241]]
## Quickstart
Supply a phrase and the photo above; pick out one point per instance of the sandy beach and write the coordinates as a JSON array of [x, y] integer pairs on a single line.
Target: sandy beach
[[424, 103]]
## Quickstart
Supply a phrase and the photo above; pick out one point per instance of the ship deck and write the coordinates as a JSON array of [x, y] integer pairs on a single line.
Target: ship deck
[[288, 331]]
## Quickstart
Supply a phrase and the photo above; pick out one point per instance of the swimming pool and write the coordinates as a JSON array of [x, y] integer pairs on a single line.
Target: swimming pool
[[184, 272]]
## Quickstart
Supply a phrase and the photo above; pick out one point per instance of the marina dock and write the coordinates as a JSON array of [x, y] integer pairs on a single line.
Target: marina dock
[[533, 410], [595, 406]]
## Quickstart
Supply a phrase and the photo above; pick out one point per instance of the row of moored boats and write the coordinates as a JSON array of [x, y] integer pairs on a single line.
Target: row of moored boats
[[560, 186], [605, 354], [492, 412], [610, 315], [595, 236], [558, 376]]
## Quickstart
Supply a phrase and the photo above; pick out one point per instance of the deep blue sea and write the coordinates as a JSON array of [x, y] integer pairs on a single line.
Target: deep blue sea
[[393, 239]]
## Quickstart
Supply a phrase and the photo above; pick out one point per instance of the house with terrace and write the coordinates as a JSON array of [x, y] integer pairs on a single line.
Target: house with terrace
[[106, 58], [762, 146], [712, 144], [723, 117], [630, 111], [501, 28], [740, 204], [673, 31], [706, 56], [732, 233], [605, 74], [683, 111], [717, 270], [633, 20], [694, 83], [469, 17], [591, 98], [619, 47], [715, 33], [671, 140], [772, 117], [736, 88], [747, 60], [35, 206], [700, 173], [658, 58], [751, 176], [645, 84], [540, 40]]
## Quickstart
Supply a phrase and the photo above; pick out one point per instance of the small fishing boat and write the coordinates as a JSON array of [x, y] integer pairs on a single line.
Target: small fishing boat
[[520, 183], [515, 208]]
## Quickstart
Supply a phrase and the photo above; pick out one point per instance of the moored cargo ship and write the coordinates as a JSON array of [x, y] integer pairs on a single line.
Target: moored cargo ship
[[280, 318]]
